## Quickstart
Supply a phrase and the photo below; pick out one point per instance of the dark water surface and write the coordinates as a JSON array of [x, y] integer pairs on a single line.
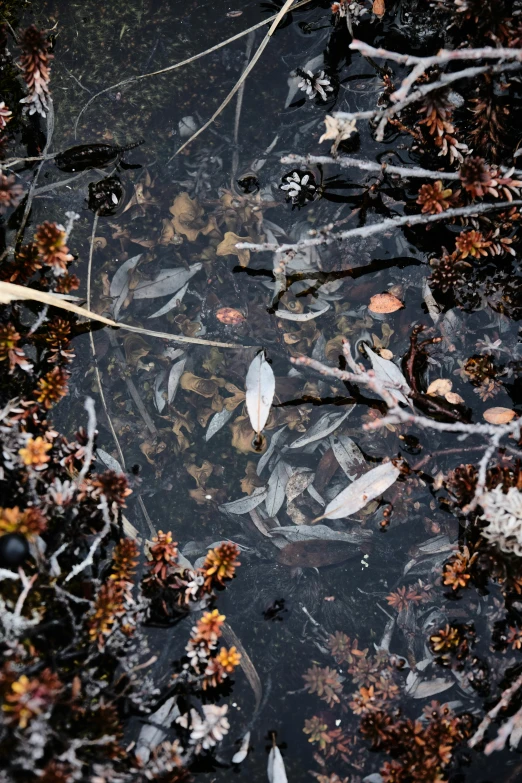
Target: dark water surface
[[269, 605]]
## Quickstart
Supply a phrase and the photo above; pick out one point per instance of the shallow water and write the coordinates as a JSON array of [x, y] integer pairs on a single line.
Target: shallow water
[[270, 605]]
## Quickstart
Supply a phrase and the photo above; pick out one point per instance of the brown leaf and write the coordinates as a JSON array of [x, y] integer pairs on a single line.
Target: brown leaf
[[251, 479], [231, 403], [227, 248], [188, 218], [200, 475], [454, 398], [205, 387], [243, 436], [135, 348], [168, 234], [384, 303], [379, 8], [316, 553], [499, 415]]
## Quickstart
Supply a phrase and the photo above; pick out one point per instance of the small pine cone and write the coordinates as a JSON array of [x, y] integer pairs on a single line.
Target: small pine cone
[[434, 198], [10, 192], [448, 273], [52, 387], [477, 178], [34, 64], [50, 239]]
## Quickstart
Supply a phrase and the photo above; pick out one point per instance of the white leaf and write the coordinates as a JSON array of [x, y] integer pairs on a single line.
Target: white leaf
[[388, 372], [109, 461], [276, 767], [172, 303], [217, 421], [166, 282], [428, 688], [322, 428], [260, 390], [244, 505], [348, 455], [276, 487], [176, 371], [370, 486], [315, 495], [289, 316], [242, 753]]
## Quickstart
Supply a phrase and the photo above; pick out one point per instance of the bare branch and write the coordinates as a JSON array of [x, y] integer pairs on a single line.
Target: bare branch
[[368, 165], [492, 714], [326, 237], [79, 567]]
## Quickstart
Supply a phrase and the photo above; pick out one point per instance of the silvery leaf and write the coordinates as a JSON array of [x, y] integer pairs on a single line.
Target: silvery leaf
[[289, 316], [217, 421], [348, 455], [298, 482], [315, 495], [368, 487], [242, 753], [166, 282], [109, 461], [121, 276], [159, 397], [176, 371], [260, 390], [172, 303], [276, 487], [274, 440], [327, 424], [246, 504], [150, 736], [425, 689], [387, 372], [322, 533]]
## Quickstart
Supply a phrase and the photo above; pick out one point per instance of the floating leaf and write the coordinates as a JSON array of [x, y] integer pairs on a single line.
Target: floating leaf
[[244, 505], [176, 371], [276, 487], [441, 386], [166, 282], [499, 415], [454, 398], [289, 316], [348, 455], [322, 533], [217, 421], [327, 424], [384, 303], [388, 372], [278, 435], [276, 766], [228, 248], [121, 276], [109, 461], [260, 390], [172, 303], [370, 486]]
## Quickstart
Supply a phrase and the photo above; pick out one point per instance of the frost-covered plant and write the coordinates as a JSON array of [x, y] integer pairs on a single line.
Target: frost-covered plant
[[503, 513]]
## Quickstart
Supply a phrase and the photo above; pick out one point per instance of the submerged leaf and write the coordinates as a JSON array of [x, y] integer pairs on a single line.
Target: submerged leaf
[[244, 505], [166, 282], [176, 371], [228, 248], [217, 421], [260, 390], [316, 554], [384, 303], [276, 487], [370, 486], [276, 767], [289, 316], [327, 424], [388, 372], [172, 303]]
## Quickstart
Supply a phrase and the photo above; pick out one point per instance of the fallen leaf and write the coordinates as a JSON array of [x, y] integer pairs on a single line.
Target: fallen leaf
[[175, 374], [378, 8], [200, 475], [276, 767], [289, 316], [172, 303], [276, 487], [166, 282], [441, 386], [327, 424], [499, 415], [244, 505], [205, 387], [243, 436], [217, 422], [384, 303], [242, 753], [386, 354], [229, 316], [370, 486], [260, 390], [188, 218], [228, 248], [454, 398], [388, 372], [316, 554], [251, 481]]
